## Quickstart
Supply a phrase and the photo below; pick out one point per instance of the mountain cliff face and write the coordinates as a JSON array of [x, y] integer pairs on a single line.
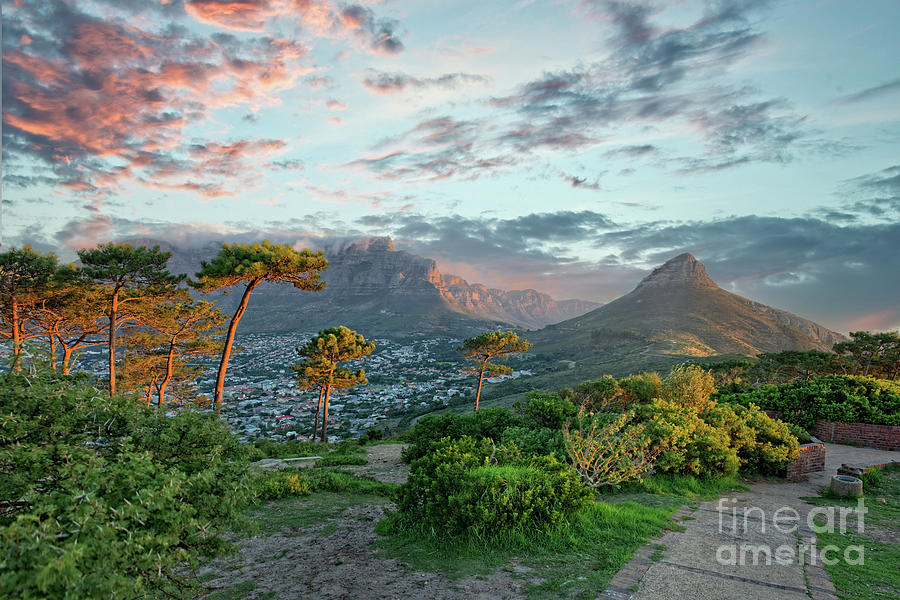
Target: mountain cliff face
[[371, 285], [679, 309]]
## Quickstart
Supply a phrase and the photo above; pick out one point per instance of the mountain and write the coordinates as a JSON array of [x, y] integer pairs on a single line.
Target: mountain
[[375, 288], [679, 310]]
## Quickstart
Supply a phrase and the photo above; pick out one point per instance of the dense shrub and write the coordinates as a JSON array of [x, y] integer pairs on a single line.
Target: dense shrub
[[266, 448], [100, 498], [536, 442], [430, 429], [764, 445], [548, 410], [836, 398], [596, 395], [687, 443], [469, 486]]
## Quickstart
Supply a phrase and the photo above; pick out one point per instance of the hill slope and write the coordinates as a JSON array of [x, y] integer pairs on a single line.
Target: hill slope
[[679, 310]]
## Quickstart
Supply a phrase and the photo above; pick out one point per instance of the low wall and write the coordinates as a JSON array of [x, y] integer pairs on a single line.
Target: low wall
[[811, 459], [883, 437]]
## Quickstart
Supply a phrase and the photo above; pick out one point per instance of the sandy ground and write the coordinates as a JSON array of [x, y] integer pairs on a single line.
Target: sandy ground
[[308, 563]]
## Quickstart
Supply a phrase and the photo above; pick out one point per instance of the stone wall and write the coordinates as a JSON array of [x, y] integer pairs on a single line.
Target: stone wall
[[811, 459], [883, 437]]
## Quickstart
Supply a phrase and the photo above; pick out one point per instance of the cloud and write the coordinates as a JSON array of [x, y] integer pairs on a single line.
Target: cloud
[[104, 102], [656, 75], [876, 195], [889, 87], [387, 84], [323, 18]]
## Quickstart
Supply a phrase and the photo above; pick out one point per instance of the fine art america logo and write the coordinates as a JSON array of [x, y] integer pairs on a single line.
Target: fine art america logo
[[786, 520]]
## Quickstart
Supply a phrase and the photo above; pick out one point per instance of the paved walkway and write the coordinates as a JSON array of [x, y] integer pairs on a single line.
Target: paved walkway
[[722, 554]]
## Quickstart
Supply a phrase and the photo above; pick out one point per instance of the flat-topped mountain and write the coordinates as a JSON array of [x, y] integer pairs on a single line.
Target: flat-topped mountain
[[374, 287], [678, 309]]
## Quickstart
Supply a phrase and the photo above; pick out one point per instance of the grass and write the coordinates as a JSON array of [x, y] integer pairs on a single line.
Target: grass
[[666, 490], [298, 515], [878, 577], [575, 560], [332, 491], [237, 592]]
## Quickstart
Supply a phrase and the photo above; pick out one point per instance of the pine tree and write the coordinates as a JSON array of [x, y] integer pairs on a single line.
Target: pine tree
[[250, 265], [487, 346], [24, 274], [321, 355], [129, 275], [172, 334]]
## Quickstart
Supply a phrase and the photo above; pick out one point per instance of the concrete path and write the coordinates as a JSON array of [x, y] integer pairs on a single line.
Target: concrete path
[[745, 545]]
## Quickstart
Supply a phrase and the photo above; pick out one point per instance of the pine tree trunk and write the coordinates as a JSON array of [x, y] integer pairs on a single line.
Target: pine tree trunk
[[318, 409], [161, 388], [229, 342], [17, 336], [325, 415], [480, 381], [52, 353], [66, 359], [113, 315]]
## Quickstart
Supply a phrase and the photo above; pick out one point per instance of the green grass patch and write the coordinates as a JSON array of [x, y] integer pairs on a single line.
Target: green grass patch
[[299, 515], [668, 490], [327, 492], [878, 577], [576, 559], [237, 592]]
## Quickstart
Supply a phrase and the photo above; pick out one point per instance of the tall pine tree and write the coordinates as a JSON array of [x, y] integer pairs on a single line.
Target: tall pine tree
[[128, 275], [250, 265]]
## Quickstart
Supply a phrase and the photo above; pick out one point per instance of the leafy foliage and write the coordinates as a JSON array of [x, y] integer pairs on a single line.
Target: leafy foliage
[[465, 486], [101, 498], [835, 398], [490, 424]]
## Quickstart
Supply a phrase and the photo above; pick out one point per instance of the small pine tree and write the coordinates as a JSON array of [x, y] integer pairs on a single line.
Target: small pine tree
[[321, 355], [487, 346]]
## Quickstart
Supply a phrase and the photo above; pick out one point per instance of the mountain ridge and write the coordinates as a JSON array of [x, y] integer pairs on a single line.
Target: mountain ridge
[[385, 287]]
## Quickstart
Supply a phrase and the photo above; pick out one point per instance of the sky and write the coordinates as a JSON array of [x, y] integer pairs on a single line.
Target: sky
[[564, 145]]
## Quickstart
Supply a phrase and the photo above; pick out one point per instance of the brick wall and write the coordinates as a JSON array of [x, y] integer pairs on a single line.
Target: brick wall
[[883, 437], [811, 459]]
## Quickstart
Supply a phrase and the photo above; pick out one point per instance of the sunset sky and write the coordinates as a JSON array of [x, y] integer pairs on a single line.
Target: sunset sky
[[567, 146]]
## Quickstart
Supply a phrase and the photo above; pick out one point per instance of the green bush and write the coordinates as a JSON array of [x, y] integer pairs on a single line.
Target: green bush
[[764, 445], [798, 432], [536, 442], [718, 441], [265, 448], [371, 435], [431, 429], [688, 444], [548, 410], [104, 499], [836, 398], [469, 486]]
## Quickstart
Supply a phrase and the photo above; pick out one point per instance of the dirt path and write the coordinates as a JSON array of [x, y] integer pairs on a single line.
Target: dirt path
[[333, 559]]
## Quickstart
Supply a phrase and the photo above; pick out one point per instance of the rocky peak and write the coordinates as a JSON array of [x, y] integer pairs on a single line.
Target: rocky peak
[[683, 270]]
